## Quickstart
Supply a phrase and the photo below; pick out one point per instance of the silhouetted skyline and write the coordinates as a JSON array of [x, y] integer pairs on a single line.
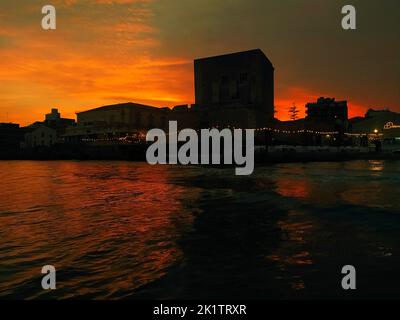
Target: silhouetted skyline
[[106, 52]]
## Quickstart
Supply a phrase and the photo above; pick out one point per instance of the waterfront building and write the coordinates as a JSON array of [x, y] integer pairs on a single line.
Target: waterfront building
[[235, 89], [327, 110], [374, 120], [41, 136], [392, 131], [11, 136], [55, 121], [47, 132], [53, 115], [116, 122]]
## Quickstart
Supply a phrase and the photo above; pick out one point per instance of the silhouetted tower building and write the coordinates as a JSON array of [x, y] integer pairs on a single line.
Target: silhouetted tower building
[[243, 81]]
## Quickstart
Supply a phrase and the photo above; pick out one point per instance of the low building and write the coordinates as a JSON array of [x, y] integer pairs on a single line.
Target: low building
[[41, 136], [306, 133], [55, 121], [54, 115], [374, 121], [115, 122], [48, 132], [11, 136], [391, 133], [327, 110]]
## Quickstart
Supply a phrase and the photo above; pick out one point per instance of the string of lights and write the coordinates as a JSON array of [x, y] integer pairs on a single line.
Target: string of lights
[[141, 136]]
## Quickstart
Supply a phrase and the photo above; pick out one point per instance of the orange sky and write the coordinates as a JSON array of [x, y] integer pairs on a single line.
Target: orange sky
[[113, 51]]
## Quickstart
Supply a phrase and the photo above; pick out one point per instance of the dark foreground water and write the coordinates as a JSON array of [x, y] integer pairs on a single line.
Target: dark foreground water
[[127, 230]]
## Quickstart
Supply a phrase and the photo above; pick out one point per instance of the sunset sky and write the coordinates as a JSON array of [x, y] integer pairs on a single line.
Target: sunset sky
[[113, 51]]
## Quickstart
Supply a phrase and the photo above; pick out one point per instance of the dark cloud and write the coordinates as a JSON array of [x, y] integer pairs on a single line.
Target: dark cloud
[[303, 38], [114, 48]]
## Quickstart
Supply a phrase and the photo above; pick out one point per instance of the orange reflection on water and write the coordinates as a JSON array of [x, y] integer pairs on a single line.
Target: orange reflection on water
[[377, 165], [301, 258], [297, 229], [295, 188], [111, 223]]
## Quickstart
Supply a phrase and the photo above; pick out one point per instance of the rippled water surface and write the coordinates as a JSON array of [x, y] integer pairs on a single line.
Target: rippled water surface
[[129, 230]]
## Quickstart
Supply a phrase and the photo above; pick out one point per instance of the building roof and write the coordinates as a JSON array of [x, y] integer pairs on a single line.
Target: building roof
[[9, 125], [258, 52], [41, 127], [121, 105]]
